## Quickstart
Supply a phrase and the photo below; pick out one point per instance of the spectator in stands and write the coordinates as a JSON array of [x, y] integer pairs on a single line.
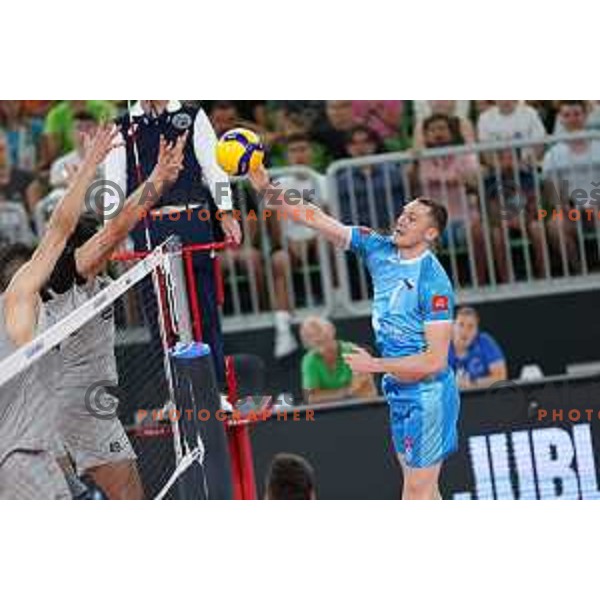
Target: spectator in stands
[[479, 107], [512, 119], [325, 375], [381, 116], [546, 109], [59, 127], [23, 134], [296, 244], [333, 134], [449, 179], [16, 185], [474, 355], [290, 477], [571, 171], [37, 109], [253, 113], [511, 205], [85, 125], [12, 257], [371, 194], [304, 112], [291, 117], [457, 112], [576, 161], [223, 116], [592, 120], [453, 108]]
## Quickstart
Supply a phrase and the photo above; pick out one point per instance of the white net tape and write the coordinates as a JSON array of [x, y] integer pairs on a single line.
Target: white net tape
[[26, 355]]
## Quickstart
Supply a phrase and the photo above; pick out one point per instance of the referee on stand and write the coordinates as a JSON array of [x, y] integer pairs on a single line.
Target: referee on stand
[[201, 185]]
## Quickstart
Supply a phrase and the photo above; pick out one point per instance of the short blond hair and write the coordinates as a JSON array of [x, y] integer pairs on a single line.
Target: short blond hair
[[314, 326]]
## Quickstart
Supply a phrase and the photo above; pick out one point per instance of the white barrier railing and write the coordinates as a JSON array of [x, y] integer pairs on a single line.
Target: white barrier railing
[[498, 243]]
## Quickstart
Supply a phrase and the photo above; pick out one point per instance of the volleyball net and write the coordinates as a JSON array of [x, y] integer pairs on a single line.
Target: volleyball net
[[125, 352]]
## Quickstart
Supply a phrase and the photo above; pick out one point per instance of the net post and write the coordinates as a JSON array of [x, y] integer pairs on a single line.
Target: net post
[[188, 260], [248, 480], [198, 402], [240, 447], [219, 284]]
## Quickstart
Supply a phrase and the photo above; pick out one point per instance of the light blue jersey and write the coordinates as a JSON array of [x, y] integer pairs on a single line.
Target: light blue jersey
[[409, 294]]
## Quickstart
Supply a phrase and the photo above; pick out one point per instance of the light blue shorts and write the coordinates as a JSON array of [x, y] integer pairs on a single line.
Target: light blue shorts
[[423, 418]]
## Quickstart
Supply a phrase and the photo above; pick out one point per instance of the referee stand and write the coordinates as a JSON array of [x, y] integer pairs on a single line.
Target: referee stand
[[237, 429], [200, 190]]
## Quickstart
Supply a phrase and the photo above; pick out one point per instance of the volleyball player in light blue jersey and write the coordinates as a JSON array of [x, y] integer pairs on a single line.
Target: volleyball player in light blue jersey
[[412, 320]]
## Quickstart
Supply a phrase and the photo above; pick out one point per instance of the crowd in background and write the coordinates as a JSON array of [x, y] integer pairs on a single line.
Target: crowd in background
[[41, 140], [38, 138]]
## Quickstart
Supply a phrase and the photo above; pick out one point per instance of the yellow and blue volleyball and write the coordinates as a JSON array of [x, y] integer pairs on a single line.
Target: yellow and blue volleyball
[[240, 151]]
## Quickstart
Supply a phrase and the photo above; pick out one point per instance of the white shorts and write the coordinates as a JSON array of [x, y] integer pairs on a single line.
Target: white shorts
[[91, 439], [32, 475]]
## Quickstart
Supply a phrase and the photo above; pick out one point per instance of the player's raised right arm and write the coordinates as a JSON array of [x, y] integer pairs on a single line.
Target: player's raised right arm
[[306, 213]]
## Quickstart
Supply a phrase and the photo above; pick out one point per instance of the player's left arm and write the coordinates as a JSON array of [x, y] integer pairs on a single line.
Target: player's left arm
[[409, 368], [434, 360]]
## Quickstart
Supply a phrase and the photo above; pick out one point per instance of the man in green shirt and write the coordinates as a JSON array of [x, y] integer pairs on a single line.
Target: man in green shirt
[[59, 127], [325, 374]]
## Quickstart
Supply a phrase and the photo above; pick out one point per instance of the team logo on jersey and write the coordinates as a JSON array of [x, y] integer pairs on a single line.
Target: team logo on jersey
[[115, 447], [439, 303], [182, 121]]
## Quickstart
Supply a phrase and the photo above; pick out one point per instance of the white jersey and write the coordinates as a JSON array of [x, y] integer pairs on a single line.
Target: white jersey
[[88, 355], [27, 407], [88, 360]]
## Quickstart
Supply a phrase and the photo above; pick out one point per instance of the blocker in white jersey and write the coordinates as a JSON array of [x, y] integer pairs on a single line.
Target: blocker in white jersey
[[28, 468], [88, 363]]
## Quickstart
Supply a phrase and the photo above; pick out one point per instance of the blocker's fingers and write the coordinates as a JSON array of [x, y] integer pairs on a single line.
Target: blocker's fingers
[[182, 140], [162, 145]]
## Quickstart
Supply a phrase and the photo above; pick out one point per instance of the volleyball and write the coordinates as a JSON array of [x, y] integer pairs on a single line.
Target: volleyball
[[239, 151]]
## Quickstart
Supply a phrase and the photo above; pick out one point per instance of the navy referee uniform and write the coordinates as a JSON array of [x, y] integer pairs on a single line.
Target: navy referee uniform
[[200, 186]]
